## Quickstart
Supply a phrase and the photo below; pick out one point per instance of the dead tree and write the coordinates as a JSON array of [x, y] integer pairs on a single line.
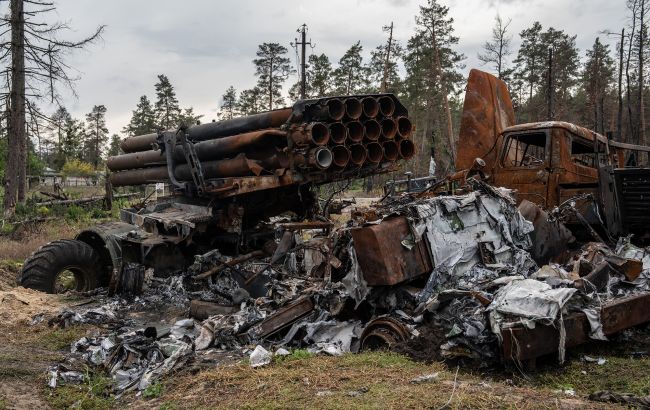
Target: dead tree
[[36, 70]]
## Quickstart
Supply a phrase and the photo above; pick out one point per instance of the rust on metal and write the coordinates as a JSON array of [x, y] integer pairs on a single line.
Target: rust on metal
[[282, 318], [370, 107], [522, 344], [487, 111], [371, 130], [353, 108], [383, 333], [383, 259]]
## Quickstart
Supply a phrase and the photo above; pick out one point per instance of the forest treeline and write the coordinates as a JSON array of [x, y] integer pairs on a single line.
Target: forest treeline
[[426, 72]]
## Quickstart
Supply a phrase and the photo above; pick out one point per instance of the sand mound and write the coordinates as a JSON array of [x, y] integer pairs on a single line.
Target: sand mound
[[19, 305]]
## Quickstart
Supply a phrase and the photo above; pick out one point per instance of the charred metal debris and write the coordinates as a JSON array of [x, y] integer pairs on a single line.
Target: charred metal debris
[[462, 276]]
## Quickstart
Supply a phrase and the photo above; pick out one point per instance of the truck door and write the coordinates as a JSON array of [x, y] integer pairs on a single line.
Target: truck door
[[525, 165]]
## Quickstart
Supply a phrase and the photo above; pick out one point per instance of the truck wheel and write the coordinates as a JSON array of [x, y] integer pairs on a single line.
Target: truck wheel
[[62, 265]]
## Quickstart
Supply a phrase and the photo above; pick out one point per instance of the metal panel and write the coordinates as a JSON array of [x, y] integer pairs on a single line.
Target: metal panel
[[383, 259]]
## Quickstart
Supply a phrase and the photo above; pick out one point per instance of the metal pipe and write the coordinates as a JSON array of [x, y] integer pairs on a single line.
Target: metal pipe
[[358, 154], [372, 130], [386, 106], [406, 149], [355, 131], [205, 150], [370, 107], [353, 108], [391, 151], [319, 157], [338, 133], [315, 133], [404, 127], [375, 152], [340, 156], [332, 109], [211, 130], [238, 166], [388, 128]]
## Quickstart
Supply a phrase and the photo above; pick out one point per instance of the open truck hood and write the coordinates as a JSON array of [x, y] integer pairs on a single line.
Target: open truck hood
[[487, 111]]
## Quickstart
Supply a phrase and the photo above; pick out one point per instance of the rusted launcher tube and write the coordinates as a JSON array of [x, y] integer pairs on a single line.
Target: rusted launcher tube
[[388, 128], [235, 167], [340, 156], [371, 130], [404, 127], [332, 109], [353, 108], [355, 132], [205, 150], [370, 107], [319, 157], [406, 149], [386, 106], [315, 133], [338, 132], [212, 130], [358, 154], [391, 151], [375, 152]]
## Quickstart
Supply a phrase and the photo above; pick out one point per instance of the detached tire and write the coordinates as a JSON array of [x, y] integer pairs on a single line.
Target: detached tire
[[43, 268]]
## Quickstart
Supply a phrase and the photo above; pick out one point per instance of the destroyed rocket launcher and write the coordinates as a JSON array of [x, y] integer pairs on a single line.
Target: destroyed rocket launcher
[[317, 140]]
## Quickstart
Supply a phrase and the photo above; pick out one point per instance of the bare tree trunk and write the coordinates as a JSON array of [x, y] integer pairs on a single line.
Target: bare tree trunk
[[640, 139], [384, 79], [620, 95], [16, 120], [445, 100]]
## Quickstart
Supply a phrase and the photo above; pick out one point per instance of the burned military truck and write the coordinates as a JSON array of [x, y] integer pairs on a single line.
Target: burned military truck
[[228, 178]]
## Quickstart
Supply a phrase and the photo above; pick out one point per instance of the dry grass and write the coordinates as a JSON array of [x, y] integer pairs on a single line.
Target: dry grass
[[340, 382], [20, 245]]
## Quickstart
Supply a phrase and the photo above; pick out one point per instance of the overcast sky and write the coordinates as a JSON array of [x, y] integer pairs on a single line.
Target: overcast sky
[[204, 46]]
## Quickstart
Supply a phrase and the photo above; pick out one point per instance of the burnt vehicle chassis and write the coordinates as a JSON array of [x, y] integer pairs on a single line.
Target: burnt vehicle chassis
[[228, 177]]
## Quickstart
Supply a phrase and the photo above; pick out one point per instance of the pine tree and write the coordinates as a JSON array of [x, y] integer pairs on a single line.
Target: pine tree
[[351, 76], [497, 50], [319, 75], [433, 82], [272, 69], [114, 146], [228, 107], [251, 101], [188, 117], [597, 79], [167, 112], [143, 120], [96, 134], [72, 142]]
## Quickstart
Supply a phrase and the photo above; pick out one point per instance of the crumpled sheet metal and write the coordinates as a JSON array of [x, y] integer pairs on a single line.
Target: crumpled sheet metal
[[456, 224]]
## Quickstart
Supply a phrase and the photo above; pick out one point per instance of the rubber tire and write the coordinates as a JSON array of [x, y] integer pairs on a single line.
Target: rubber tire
[[42, 268]]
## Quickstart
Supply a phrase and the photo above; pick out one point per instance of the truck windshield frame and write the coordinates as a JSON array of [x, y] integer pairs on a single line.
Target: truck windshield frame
[[527, 150]]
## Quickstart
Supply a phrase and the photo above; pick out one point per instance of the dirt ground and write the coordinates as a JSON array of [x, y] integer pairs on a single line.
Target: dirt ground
[[367, 380]]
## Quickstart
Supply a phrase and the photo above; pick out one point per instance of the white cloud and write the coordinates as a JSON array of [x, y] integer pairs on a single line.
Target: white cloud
[[205, 46]]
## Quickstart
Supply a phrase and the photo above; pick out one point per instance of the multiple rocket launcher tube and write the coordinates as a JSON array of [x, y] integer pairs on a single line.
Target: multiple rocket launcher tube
[[324, 135]]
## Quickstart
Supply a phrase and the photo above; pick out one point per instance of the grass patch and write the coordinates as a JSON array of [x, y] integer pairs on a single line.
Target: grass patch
[[619, 374], [59, 339], [366, 380], [94, 393], [153, 391]]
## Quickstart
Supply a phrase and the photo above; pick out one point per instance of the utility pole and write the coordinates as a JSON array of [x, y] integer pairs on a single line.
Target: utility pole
[[384, 79], [303, 56], [549, 94]]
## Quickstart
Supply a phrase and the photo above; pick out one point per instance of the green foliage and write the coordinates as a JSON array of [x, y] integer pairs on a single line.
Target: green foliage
[[143, 119], [167, 112], [96, 135], [153, 391], [351, 76], [93, 394], [77, 168], [272, 69], [250, 101], [228, 107], [76, 213]]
